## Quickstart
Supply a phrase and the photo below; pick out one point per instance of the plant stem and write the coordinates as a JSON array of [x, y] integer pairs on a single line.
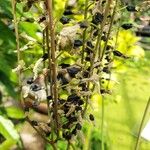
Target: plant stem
[[110, 27], [141, 125], [84, 32], [102, 125], [54, 71], [13, 2]]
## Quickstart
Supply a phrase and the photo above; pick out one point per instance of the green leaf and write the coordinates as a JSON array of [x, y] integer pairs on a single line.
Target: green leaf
[[14, 112], [7, 129], [4, 79]]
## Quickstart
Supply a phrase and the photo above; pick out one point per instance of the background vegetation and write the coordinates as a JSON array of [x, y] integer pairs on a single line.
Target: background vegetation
[[123, 108]]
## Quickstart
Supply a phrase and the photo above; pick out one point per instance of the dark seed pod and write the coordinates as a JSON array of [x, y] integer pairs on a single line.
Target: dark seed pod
[[85, 74], [108, 47], [78, 126], [83, 24], [131, 8], [78, 43], [41, 19], [31, 20], [67, 135], [73, 71], [87, 58], [89, 44], [64, 20], [106, 69], [72, 119], [34, 123], [68, 12], [91, 117], [64, 65], [103, 2], [66, 126], [35, 87], [74, 131], [30, 81], [78, 108], [62, 101], [73, 97], [95, 33], [80, 102], [45, 56], [49, 97], [97, 18], [104, 38], [27, 6], [117, 53], [127, 26]]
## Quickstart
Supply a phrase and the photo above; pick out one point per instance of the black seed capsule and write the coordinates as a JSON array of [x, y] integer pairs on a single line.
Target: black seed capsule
[[87, 58], [78, 126], [73, 97], [97, 18], [95, 33], [35, 87], [49, 97], [91, 117], [62, 101], [104, 38], [66, 126], [74, 131], [64, 20], [34, 123], [31, 20], [30, 81], [80, 102], [73, 71], [127, 26], [83, 25], [72, 119], [68, 12], [64, 65], [106, 69], [117, 53], [78, 108], [86, 74], [45, 56], [131, 8], [78, 43], [43, 18], [89, 44]]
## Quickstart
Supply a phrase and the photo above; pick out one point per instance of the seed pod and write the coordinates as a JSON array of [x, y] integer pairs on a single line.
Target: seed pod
[[97, 18], [77, 43], [67, 135], [49, 97], [64, 65], [95, 33], [127, 26], [106, 69], [45, 56], [78, 126], [73, 71], [64, 20], [87, 58], [83, 24], [68, 12], [91, 117], [131, 8], [80, 102], [35, 87], [30, 80], [34, 123], [117, 53], [73, 97], [74, 131], [104, 38], [78, 108]]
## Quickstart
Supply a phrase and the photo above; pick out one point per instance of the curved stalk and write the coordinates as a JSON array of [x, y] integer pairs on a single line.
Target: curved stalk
[[142, 123]]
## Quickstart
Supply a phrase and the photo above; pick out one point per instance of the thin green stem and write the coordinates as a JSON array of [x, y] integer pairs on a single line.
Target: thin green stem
[[15, 21], [84, 32], [109, 31], [141, 125]]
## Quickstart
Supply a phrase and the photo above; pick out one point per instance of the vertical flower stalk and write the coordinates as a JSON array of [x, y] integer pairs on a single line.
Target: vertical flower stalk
[[15, 21], [53, 64]]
